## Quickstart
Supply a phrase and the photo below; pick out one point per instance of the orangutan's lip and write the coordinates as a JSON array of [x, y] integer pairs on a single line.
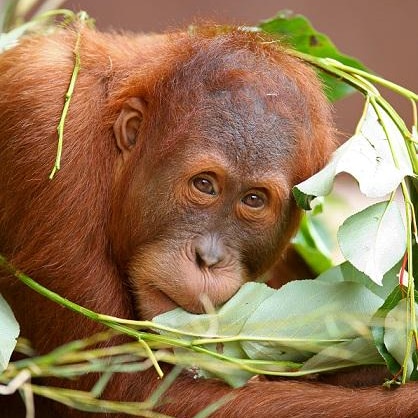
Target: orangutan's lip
[[200, 309], [155, 298], [177, 305], [171, 301]]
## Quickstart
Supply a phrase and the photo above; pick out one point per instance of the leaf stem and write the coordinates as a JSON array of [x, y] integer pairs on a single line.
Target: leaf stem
[[83, 17], [361, 81], [411, 318], [374, 78], [238, 338], [382, 122], [336, 72], [363, 115], [414, 113]]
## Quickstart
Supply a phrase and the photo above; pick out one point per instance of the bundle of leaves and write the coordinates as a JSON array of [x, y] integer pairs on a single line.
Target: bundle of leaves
[[311, 326]]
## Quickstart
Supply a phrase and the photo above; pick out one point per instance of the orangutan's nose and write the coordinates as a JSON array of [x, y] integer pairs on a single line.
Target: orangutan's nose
[[209, 250]]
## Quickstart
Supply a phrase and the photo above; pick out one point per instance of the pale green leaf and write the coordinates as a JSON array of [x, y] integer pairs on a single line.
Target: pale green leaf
[[359, 351], [374, 240], [378, 329], [207, 366], [347, 272], [319, 184], [396, 334], [9, 331], [367, 156], [305, 316], [227, 321], [260, 326]]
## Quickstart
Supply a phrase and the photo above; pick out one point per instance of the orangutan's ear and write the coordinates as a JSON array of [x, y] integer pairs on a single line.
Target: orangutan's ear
[[126, 127]]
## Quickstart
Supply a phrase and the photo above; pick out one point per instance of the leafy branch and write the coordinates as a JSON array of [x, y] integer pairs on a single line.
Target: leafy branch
[[405, 164], [146, 340]]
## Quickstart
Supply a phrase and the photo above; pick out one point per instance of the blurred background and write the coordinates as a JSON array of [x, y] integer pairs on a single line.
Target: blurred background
[[383, 34]]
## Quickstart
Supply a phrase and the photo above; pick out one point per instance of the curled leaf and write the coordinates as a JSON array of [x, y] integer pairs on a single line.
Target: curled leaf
[[359, 351], [368, 157]]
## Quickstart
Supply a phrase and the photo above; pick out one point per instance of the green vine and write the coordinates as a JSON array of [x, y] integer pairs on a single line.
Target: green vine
[[82, 18]]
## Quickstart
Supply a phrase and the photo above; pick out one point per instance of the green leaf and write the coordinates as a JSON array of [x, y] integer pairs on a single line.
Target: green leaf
[[303, 200], [299, 33], [396, 335], [207, 366], [414, 374], [227, 321], [9, 331], [360, 351], [374, 240], [368, 157], [378, 329], [311, 243], [347, 272], [260, 328], [305, 316]]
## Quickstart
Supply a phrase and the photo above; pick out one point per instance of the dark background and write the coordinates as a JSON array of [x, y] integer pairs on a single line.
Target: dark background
[[381, 33]]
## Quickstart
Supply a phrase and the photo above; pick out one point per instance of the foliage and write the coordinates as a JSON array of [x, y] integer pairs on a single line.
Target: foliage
[[313, 243], [297, 31], [13, 24], [382, 157], [15, 13], [290, 338]]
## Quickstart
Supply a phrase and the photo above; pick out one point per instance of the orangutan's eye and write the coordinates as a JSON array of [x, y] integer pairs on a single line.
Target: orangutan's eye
[[255, 200], [205, 185]]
